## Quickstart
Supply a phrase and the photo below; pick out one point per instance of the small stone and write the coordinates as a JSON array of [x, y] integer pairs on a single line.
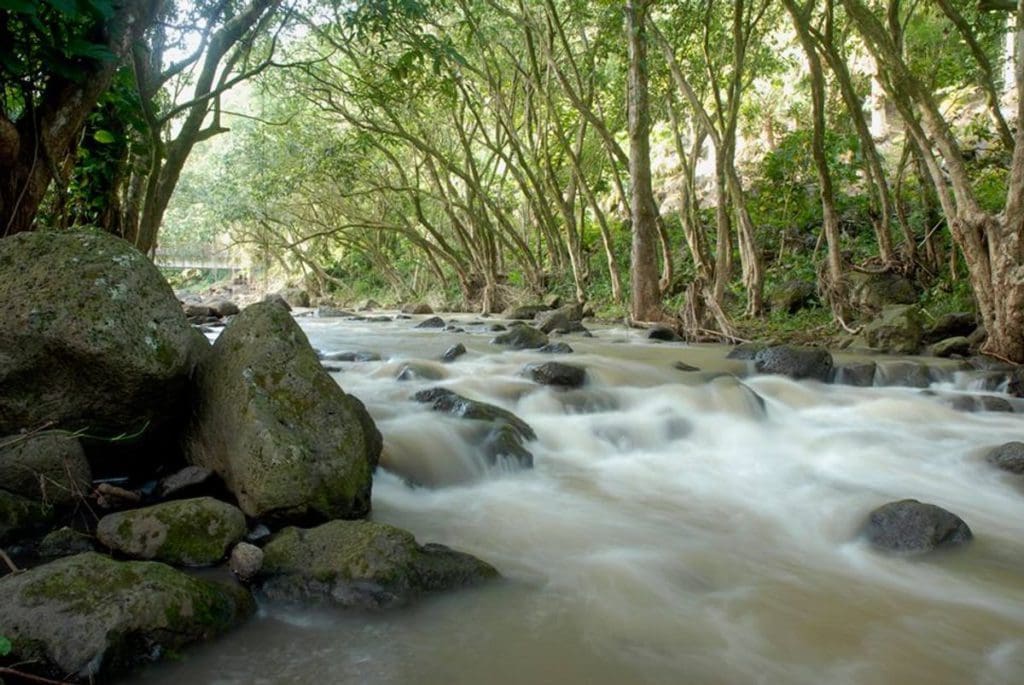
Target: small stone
[[187, 482], [246, 561], [1008, 457], [912, 527], [683, 366]]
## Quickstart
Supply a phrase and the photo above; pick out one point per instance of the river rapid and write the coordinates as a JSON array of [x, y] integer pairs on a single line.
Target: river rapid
[[674, 529]]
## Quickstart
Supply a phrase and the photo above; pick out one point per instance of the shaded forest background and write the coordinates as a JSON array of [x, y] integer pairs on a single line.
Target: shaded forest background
[[692, 162]]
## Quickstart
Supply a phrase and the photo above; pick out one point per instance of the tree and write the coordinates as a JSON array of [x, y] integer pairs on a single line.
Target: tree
[[57, 59]]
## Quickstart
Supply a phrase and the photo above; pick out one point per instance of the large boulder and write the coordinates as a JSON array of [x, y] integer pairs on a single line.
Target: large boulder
[[897, 329], [566, 319], [362, 564], [912, 527], [187, 532], [286, 439], [876, 291], [91, 336], [796, 362], [88, 616], [792, 296], [49, 467], [952, 325]]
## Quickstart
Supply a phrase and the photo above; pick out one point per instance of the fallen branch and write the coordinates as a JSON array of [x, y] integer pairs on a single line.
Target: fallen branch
[[28, 677], [9, 563]]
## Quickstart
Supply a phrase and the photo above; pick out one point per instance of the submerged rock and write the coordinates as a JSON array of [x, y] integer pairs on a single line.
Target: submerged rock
[[270, 421], [1008, 457], [859, 374], [556, 348], [912, 527], [504, 432], [557, 374], [432, 322], [88, 616], [453, 352], [796, 362], [420, 370], [188, 532], [362, 564], [49, 467], [92, 336], [522, 338]]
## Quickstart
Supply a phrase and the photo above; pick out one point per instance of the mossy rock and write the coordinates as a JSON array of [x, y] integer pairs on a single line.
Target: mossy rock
[[898, 329], [289, 443], [88, 616], [20, 516], [188, 532], [362, 564], [522, 338], [877, 291], [92, 336], [50, 467], [64, 542]]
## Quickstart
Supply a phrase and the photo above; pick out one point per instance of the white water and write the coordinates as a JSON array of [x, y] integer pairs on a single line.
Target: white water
[[671, 531]]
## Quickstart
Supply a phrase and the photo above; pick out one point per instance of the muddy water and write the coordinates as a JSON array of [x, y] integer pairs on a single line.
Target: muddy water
[[675, 529]]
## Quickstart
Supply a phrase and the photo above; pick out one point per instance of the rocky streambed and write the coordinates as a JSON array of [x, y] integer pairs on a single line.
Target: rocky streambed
[[379, 497]]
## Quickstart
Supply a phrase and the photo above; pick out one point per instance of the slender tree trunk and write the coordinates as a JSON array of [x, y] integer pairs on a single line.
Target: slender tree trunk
[[645, 304]]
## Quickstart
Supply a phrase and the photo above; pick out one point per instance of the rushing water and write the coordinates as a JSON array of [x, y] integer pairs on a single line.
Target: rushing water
[[673, 530]]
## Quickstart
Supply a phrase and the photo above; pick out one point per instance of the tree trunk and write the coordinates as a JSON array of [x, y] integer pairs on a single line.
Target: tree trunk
[[645, 297]]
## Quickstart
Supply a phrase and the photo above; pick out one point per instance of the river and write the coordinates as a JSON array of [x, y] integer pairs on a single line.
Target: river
[[674, 529]]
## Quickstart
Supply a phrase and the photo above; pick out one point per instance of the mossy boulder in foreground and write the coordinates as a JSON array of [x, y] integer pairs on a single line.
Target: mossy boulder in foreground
[[362, 564], [286, 439], [91, 336], [89, 616], [189, 532]]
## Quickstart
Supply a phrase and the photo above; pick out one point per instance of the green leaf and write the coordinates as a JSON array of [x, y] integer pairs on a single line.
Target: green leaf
[[5, 644], [20, 6], [68, 7], [104, 8], [105, 137], [83, 48]]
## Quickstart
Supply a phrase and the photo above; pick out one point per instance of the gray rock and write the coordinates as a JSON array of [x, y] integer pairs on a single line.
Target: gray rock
[[912, 527], [954, 325], [453, 352], [49, 467], [296, 297], [246, 561], [188, 532], [198, 311], [503, 433], [188, 482], [92, 336], [792, 296], [222, 308], [420, 370], [278, 300], [859, 374], [417, 308], [876, 291], [746, 351], [557, 374], [358, 356], [556, 348], [683, 366], [432, 322], [950, 346], [524, 312], [522, 338], [566, 318], [796, 362], [1008, 457], [363, 564], [64, 542], [87, 616], [328, 312], [284, 437], [898, 329], [20, 516]]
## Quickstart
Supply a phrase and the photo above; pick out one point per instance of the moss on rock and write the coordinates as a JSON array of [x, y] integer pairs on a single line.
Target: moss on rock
[[191, 532], [363, 564], [88, 615]]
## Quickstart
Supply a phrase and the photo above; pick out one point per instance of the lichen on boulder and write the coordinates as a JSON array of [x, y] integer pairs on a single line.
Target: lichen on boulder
[[89, 616], [290, 444], [188, 532], [363, 564], [91, 336]]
